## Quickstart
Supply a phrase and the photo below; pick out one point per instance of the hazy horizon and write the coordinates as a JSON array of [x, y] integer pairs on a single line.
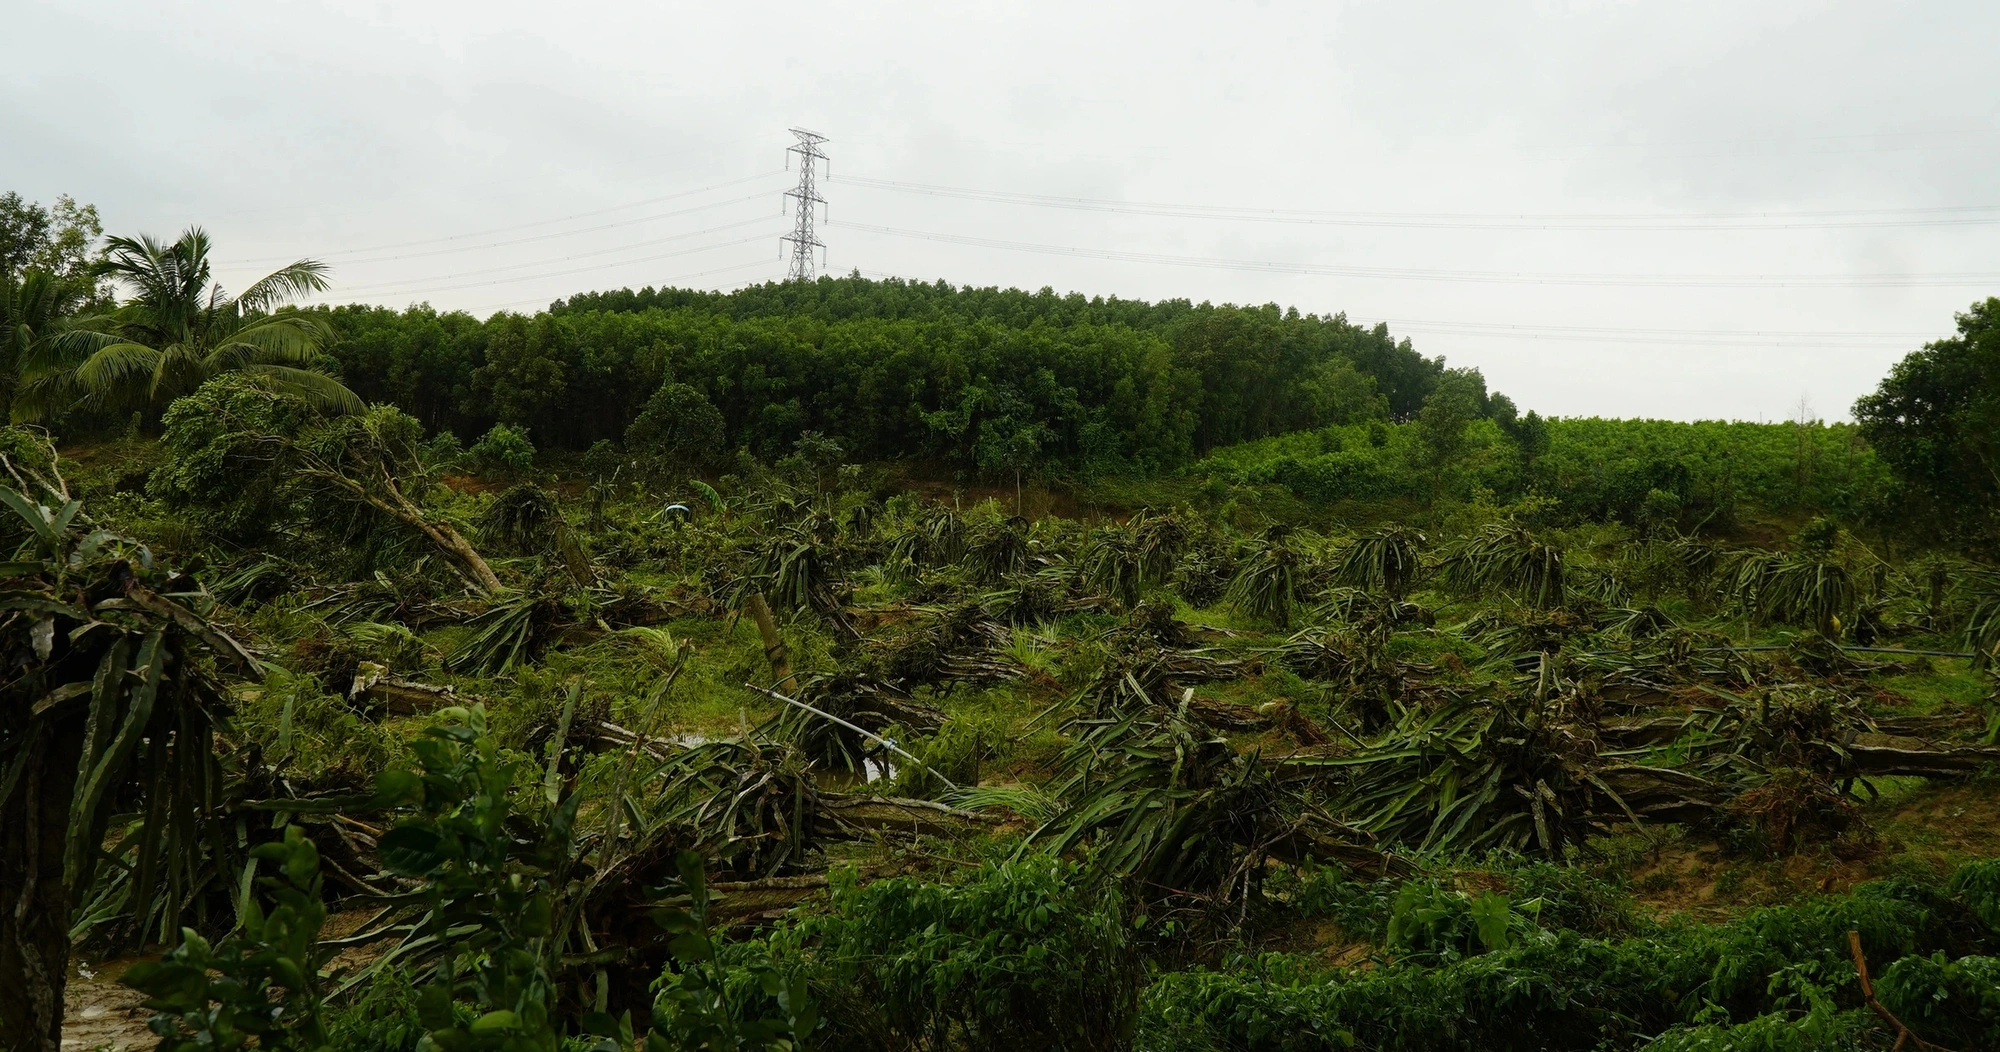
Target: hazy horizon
[[1703, 212]]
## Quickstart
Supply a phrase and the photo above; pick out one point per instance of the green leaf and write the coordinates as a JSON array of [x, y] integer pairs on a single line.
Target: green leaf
[[169, 981], [691, 947], [1490, 915], [495, 1022], [397, 787], [412, 850], [535, 917], [434, 1007]]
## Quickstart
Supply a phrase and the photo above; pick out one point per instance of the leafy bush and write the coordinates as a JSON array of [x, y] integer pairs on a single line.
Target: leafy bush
[[504, 450], [1954, 1003], [1977, 885], [488, 923], [1816, 1031], [383, 1017], [698, 1002], [679, 426], [213, 451], [1027, 954], [258, 988], [1559, 990], [1429, 921]]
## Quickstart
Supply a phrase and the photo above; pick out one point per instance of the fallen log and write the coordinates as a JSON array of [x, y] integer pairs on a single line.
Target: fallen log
[[742, 900], [1897, 757], [375, 685], [892, 814], [1662, 794]]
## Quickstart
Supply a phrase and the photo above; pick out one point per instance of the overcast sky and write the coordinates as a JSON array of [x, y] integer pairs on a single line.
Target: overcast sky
[[1688, 210]]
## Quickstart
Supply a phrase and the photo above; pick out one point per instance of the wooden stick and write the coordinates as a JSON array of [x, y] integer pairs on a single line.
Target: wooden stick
[[1904, 1035], [774, 644]]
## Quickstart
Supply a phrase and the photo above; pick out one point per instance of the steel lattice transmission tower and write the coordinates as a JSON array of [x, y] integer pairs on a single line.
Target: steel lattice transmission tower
[[805, 198]]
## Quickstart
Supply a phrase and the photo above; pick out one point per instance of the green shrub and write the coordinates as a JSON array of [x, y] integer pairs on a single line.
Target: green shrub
[[383, 1016], [1977, 885], [677, 426], [1560, 990], [1820, 1031], [714, 995], [504, 450], [1952, 1003], [1026, 954], [258, 988]]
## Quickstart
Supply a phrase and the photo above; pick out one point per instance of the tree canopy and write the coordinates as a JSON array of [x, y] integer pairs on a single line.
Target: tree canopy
[[985, 379], [1936, 420], [178, 330]]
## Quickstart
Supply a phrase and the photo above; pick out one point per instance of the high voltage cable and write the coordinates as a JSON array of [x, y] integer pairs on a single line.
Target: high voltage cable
[[540, 222], [1822, 334], [1661, 337], [557, 273], [560, 233], [577, 255], [1474, 276], [1961, 215], [1623, 334], [1522, 332], [677, 277], [552, 235]]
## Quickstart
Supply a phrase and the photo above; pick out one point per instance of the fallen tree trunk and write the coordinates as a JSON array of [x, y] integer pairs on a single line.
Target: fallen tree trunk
[[1903, 759], [374, 684], [1662, 794], [892, 814]]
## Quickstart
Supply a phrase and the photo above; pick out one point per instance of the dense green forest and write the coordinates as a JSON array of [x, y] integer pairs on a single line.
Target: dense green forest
[[873, 665], [979, 379]]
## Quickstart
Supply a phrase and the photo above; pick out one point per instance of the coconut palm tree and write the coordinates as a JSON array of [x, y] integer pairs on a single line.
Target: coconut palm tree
[[31, 304], [179, 330]]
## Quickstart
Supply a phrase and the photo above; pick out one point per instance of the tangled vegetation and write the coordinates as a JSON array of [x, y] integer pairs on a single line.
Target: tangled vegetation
[[359, 737]]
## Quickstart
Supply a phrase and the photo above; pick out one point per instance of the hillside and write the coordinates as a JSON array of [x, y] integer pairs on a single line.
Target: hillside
[[882, 666]]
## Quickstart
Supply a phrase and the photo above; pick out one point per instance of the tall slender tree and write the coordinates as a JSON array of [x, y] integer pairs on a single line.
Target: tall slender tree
[[178, 330], [32, 303]]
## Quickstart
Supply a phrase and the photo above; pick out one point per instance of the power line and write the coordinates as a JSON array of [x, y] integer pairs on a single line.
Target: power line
[[1746, 339], [1631, 334], [1837, 219], [803, 198], [527, 226], [1474, 276], [458, 186], [677, 277], [574, 256], [562, 273], [556, 235]]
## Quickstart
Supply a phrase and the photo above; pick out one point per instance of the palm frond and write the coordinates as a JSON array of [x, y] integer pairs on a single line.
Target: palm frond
[[285, 338], [117, 375], [302, 278], [68, 347], [321, 391]]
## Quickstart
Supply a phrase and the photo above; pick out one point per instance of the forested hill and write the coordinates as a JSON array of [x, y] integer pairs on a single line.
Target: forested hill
[[984, 378]]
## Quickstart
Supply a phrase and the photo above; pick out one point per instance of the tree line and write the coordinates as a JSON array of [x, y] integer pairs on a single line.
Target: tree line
[[101, 335], [981, 378]]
